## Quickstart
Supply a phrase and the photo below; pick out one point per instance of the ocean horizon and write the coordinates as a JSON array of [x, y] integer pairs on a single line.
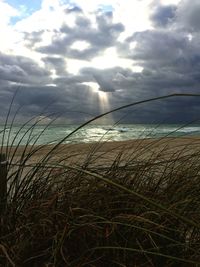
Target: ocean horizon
[[51, 134]]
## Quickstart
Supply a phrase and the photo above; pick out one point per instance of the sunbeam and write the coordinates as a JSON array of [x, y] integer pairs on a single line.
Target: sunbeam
[[103, 101]]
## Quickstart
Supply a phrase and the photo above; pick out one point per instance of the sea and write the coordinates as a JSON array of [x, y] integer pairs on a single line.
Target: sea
[[52, 134]]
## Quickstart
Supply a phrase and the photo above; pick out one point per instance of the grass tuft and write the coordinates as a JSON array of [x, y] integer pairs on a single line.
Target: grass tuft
[[123, 204]]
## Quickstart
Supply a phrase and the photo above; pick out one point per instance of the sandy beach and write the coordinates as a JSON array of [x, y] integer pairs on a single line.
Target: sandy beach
[[104, 153]]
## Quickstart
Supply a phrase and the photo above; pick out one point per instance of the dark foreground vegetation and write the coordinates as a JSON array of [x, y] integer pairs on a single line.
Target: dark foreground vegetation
[[131, 213]]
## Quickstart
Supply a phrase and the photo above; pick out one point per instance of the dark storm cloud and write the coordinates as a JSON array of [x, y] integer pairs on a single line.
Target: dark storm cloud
[[169, 55], [34, 91], [32, 38], [163, 15], [98, 39], [69, 102], [22, 69], [18, 73], [155, 47], [108, 79], [104, 85], [188, 15], [56, 63], [104, 78], [170, 58], [70, 98]]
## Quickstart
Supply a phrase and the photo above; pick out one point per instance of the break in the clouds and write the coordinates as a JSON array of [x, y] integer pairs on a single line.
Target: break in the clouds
[[81, 58]]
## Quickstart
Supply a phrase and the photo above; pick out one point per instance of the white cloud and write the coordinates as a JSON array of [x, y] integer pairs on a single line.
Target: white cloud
[[91, 5], [6, 13], [48, 4], [45, 18], [170, 2], [134, 15], [8, 35], [49, 18], [132, 45], [74, 65], [80, 45], [110, 59], [166, 58]]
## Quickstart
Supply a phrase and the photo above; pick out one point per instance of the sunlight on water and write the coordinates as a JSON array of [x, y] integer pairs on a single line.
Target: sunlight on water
[[94, 133]]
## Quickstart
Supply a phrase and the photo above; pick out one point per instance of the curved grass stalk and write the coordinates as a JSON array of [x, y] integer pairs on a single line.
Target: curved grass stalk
[[29, 186], [145, 230], [141, 251], [121, 187], [117, 109], [7, 118]]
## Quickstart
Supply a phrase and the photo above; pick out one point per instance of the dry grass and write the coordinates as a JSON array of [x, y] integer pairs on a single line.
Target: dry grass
[[131, 213], [142, 209]]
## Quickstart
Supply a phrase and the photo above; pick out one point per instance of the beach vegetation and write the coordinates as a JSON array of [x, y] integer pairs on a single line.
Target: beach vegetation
[[131, 204]]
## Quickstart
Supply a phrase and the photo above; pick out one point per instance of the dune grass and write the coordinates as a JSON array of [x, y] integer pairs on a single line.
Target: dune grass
[[140, 209]]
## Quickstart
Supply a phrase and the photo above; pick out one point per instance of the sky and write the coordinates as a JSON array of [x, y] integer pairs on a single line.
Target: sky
[[77, 59]]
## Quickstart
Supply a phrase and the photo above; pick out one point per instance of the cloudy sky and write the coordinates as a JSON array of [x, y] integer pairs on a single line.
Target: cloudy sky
[[79, 58]]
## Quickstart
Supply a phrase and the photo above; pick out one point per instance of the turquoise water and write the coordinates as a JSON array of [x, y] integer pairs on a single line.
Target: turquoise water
[[93, 133]]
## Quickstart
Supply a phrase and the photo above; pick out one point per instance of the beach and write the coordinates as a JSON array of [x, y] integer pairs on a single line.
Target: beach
[[105, 153], [121, 200]]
